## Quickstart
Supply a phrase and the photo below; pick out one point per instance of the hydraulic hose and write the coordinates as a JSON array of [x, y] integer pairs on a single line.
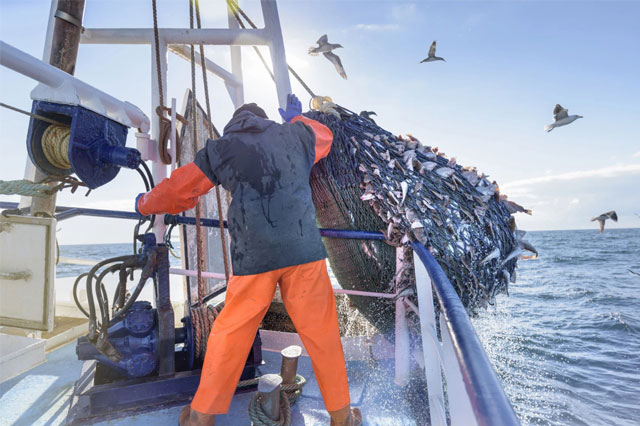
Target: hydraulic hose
[[147, 271], [89, 287], [75, 294]]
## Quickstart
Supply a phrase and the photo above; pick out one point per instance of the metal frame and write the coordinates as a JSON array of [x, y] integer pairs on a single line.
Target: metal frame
[[174, 39], [474, 392]]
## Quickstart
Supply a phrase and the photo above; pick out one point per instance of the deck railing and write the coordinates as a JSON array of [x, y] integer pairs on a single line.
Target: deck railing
[[473, 393]]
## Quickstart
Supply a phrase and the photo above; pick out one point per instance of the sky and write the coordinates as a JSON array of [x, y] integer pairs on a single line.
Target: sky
[[508, 64]]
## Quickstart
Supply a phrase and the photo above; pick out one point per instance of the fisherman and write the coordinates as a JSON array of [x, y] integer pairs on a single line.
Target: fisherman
[[274, 238]]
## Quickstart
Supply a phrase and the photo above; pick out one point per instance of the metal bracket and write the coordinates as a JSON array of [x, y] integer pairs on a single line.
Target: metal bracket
[[68, 18]]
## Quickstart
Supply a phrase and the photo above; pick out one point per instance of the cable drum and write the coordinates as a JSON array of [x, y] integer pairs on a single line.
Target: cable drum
[[203, 318], [55, 144]]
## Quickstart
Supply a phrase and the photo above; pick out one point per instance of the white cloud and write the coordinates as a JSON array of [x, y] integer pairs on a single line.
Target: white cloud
[[377, 27], [404, 12], [612, 171], [574, 201], [636, 155]]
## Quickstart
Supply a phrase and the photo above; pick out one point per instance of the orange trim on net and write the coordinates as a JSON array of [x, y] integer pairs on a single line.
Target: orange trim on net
[[323, 134], [177, 193]]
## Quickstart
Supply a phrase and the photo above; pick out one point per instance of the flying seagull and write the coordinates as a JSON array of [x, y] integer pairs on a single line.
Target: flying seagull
[[367, 115], [335, 60], [432, 54], [603, 217], [561, 117], [326, 49]]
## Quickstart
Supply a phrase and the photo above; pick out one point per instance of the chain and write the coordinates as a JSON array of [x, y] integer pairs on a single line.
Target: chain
[[194, 122], [213, 133], [157, 46]]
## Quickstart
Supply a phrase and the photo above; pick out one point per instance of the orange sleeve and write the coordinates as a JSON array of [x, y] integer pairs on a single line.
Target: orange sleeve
[[177, 193], [323, 135]]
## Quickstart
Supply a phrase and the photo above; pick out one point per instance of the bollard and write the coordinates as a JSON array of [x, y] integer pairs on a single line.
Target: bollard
[[269, 390], [289, 368]]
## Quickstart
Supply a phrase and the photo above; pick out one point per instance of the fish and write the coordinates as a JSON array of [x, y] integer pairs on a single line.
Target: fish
[[514, 253], [405, 188], [444, 172], [493, 255]]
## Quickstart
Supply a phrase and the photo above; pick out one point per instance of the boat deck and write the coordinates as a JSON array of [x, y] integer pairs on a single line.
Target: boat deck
[[42, 395]]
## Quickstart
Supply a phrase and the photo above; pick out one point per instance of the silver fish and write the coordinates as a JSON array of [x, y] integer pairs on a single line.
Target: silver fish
[[493, 255], [445, 172]]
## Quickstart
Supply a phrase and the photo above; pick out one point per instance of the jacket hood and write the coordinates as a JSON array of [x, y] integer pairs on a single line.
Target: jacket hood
[[248, 122]]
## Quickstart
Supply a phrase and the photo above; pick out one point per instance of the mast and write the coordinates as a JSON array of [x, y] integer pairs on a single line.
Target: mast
[[65, 40]]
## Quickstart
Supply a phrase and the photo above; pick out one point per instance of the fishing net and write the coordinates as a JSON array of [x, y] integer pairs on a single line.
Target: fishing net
[[375, 181]]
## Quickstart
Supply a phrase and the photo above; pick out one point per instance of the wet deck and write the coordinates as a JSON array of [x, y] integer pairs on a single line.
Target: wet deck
[[42, 395]]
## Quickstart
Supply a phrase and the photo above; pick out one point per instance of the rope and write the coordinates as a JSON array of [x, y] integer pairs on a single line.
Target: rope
[[235, 8], [39, 117], [28, 188], [289, 394], [213, 133], [165, 123], [259, 417], [156, 38], [194, 125], [203, 318], [24, 187], [55, 144]]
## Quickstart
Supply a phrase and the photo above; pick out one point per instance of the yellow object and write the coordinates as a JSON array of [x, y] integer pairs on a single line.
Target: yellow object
[[55, 144], [317, 101]]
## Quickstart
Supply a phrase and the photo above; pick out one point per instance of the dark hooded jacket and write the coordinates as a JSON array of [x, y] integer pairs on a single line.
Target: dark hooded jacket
[[266, 167]]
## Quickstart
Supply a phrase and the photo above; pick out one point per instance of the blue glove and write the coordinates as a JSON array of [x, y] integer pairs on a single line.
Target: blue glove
[[136, 206], [294, 108]]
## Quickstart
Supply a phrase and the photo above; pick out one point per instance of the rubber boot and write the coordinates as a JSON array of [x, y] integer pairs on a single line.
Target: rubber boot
[[191, 417], [346, 416]]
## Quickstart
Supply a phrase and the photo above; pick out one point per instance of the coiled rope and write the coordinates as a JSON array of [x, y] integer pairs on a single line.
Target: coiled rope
[[55, 144], [289, 394]]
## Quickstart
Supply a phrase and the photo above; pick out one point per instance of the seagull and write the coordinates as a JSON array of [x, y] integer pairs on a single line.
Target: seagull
[[326, 49], [561, 118], [603, 217], [323, 46], [432, 54], [367, 115], [335, 60]]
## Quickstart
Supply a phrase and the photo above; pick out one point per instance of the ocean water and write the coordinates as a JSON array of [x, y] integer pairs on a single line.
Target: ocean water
[[565, 342]]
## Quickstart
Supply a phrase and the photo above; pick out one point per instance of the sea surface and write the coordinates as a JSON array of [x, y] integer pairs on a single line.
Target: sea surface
[[565, 342]]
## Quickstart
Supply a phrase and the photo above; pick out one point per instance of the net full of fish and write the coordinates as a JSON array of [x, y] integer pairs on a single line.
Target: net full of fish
[[375, 181]]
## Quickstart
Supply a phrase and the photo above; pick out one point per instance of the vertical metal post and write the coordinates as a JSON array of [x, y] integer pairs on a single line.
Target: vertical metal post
[[65, 39], [402, 345], [269, 390], [236, 92], [289, 367], [460, 408], [276, 48], [429, 350], [158, 168], [166, 324]]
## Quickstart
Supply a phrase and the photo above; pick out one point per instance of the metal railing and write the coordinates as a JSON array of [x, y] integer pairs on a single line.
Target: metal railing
[[473, 391]]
